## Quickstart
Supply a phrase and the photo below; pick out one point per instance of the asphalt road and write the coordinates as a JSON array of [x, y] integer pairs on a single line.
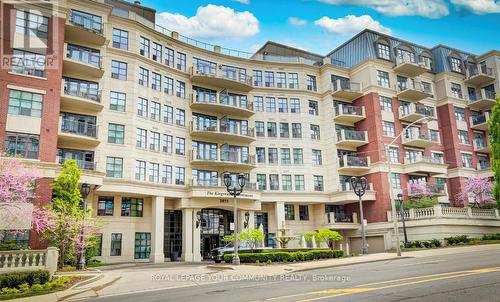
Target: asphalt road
[[457, 277]]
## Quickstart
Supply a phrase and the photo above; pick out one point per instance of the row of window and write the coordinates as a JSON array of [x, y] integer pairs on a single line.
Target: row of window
[[290, 212], [153, 109], [142, 245], [286, 156], [284, 129], [281, 104], [286, 182], [155, 175]]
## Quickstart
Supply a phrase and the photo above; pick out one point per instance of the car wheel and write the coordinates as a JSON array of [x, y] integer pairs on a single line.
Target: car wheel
[[218, 261]]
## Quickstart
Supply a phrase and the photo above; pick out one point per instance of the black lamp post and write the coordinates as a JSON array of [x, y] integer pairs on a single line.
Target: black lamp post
[[402, 213], [235, 190], [247, 218], [359, 184], [84, 191]]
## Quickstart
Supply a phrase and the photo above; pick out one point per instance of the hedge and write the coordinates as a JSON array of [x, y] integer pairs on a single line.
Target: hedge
[[461, 239], [15, 279], [285, 256], [494, 236]]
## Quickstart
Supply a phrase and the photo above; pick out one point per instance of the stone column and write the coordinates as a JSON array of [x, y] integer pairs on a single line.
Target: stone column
[[196, 237], [157, 229], [51, 260], [187, 235]]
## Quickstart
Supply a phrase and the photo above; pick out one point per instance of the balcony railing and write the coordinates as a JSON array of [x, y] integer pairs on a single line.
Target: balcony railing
[[78, 128], [216, 182], [425, 188], [416, 134], [480, 119], [483, 165], [480, 143], [340, 84], [333, 217], [223, 128], [345, 134], [412, 60], [424, 159], [235, 101], [417, 109], [475, 70], [414, 85], [82, 164], [353, 161], [223, 72], [481, 95], [348, 110], [86, 21], [82, 90], [83, 55], [346, 187]]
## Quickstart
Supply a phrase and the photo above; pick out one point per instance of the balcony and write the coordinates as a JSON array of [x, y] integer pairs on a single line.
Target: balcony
[[410, 67], [79, 97], [482, 100], [220, 77], [415, 112], [221, 158], [337, 221], [82, 164], [84, 27], [82, 61], [480, 122], [226, 104], [353, 165], [349, 114], [346, 90], [351, 138], [217, 182], [75, 134], [481, 145], [223, 131], [416, 138], [425, 164], [345, 194], [484, 169], [478, 75], [413, 91], [425, 188]]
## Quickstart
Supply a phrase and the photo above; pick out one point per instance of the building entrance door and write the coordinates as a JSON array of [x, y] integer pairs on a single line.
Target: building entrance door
[[215, 224]]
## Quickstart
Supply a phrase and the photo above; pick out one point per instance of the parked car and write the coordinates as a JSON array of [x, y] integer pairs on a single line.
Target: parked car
[[219, 252]]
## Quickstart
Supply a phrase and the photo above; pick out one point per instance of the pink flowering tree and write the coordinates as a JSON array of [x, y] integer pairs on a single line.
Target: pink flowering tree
[[421, 195], [17, 193], [479, 190]]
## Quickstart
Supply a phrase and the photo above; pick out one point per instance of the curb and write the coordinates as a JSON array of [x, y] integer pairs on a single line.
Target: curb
[[348, 264], [220, 268], [88, 281]]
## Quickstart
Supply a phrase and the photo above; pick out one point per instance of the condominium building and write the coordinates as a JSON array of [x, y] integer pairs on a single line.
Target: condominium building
[[154, 118]]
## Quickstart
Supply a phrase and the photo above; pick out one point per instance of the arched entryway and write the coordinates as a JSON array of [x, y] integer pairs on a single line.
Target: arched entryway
[[215, 224]]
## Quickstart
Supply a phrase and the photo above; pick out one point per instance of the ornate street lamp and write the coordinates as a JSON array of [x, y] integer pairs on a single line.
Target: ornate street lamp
[[358, 184], [402, 213], [84, 191], [235, 190]]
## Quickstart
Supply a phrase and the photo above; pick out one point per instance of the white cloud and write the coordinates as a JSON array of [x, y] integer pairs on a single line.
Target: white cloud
[[297, 21], [210, 22], [243, 1], [425, 8], [351, 24], [479, 6]]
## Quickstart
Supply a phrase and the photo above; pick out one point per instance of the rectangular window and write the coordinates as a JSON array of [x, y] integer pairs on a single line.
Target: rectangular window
[[155, 109], [142, 246], [132, 207], [142, 107], [282, 105], [144, 47], [22, 145], [179, 175], [313, 108], [166, 174], [272, 155], [396, 181], [286, 181], [388, 129], [25, 103], [383, 78], [140, 170], [260, 129], [271, 129], [116, 244], [180, 146], [181, 89], [295, 105], [280, 80], [157, 52], [28, 63], [268, 79], [259, 103], [315, 133], [117, 101], [298, 156], [463, 137], [31, 24], [303, 212], [460, 114], [168, 142], [293, 80], [260, 152], [299, 183], [181, 61], [317, 157], [143, 77], [141, 138], [385, 103], [274, 183], [120, 39], [318, 183], [393, 154], [289, 212], [456, 90], [284, 131], [169, 57], [296, 130], [114, 167], [168, 87], [456, 65], [383, 51], [311, 83], [180, 117], [105, 206], [154, 141], [257, 78], [156, 81], [168, 114], [154, 172], [466, 160], [116, 133], [285, 156], [118, 70], [262, 181], [270, 104]]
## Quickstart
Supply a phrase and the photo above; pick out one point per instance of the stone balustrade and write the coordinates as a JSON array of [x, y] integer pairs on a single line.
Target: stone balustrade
[[447, 212], [22, 260]]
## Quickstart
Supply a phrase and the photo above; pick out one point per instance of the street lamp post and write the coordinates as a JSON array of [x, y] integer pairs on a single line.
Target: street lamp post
[[402, 213], [359, 184], [85, 190], [235, 190]]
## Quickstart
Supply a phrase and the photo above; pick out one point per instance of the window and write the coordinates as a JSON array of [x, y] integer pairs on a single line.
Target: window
[[180, 144], [396, 181], [25, 103], [168, 87], [318, 183], [460, 114], [286, 181], [303, 212], [268, 79], [114, 167], [154, 172], [28, 23], [105, 205], [289, 212], [272, 155], [116, 244], [281, 80], [168, 114], [120, 39], [437, 157], [168, 141], [181, 89], [274, 183], [383, 78], [298, 156], [118, 70], [181, 61], [156, 81], [463, 137], [144, 47], [141, 138], [179, 175], [285, 156], [169, 57], [316, 157], [293, 80], [313, 108], [299, 183], [296, 130], [22, 144], [132, 206], [116, 133], [155, 110], [271, 129], [456, 90], [180, 117], [28, 63], [259, 103], [157, 52], [98, 245], [261, 155], [393, 155], [270, 104], [295, 105], [261, 181], [284, 131], [388, 129], [143, 76], [166, 174], [142, 107], [140, 170], [142, 246], [154, 142], [259, 129], [385, 103], [466, 160], [282, 105], [117, 101], [315, 133], [383, 51], [311, 83], [257, 78], [456, 65]]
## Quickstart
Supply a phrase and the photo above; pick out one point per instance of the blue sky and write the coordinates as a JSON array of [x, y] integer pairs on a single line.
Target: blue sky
[[321, 25]]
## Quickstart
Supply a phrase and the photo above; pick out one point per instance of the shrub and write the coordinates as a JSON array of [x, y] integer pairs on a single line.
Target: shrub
[[279, 256], [460, 239], [15, 279], [436, 242], [10, 245], [493, 236]]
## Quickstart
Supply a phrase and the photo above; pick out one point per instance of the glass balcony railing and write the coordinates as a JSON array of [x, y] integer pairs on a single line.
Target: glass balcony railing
[[348, 110], [353, 135], [87, 21], [344, 84], [82, 164], [481, 95], [78, 128], [83, 90], [353, 161], [479, 119], [84, 55]]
